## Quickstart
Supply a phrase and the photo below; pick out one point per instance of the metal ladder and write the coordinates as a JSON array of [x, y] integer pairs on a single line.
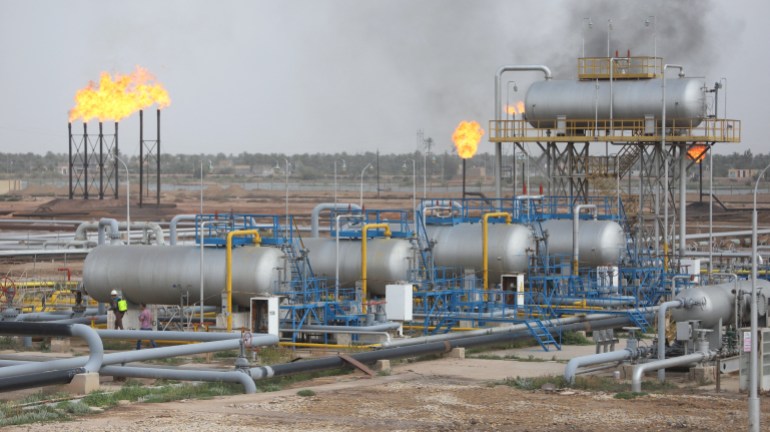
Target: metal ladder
[[541, 334], [638, 318]]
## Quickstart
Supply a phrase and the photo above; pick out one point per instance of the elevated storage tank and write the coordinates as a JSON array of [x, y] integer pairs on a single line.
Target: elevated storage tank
[[720, 302], [633, 99], [600, 242], [460, 246], [387, 261], [162, 274]]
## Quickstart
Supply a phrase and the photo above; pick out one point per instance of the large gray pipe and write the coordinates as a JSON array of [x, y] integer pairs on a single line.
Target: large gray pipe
[[92, 363], [143, 355], [315, 215], [662, 332], [167, 335], [422, 349], [640, 369], [172, 226], [556, 322], [613, 356], [81, 232], [237, 376]]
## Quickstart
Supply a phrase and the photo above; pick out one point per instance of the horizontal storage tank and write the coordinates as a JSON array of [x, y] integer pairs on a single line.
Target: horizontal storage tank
[[460, 246], [719, 302], [163, 274], [546, 100], [387, 261], [600, 242]]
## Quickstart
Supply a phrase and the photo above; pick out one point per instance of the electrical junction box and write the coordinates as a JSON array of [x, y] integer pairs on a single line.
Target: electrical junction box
[[513, 286], [398, 302], [690, 267], [763, 357], [683, 331], [263, 315]]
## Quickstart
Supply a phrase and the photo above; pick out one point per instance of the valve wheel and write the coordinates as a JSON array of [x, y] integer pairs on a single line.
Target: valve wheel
[[7, 290]]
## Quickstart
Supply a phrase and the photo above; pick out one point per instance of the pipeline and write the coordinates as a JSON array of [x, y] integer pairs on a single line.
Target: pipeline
[[262, 372], [315, 215], [632, 351], [140, 355], [639, 370], [26, 375], [556, 322], [83, 228], [662, 332], [172, 235], [237, 376]]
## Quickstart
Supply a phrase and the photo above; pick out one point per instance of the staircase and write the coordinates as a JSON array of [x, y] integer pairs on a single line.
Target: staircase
[[638, 318], [541, 334]]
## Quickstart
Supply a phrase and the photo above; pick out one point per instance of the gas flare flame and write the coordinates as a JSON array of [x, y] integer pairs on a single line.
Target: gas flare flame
[[466, 138], [115, 98], [517, 108], [697, 152]]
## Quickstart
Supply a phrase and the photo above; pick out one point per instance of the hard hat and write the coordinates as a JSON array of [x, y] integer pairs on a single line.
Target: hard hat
[[113, 292]]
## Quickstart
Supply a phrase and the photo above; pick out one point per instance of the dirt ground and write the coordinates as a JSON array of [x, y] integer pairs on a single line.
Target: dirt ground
[[439, 395]]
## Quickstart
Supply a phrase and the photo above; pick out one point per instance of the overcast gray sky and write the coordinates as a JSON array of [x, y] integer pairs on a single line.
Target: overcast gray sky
[[347, 75]]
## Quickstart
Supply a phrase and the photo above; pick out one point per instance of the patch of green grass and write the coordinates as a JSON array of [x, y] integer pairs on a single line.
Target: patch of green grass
[[575, 338], [274, 355], [535, 383], [8, 342], [629, 395], [524, 343], [529, 358], [118, 345], [306, 393], [587, 383], [227, 354]]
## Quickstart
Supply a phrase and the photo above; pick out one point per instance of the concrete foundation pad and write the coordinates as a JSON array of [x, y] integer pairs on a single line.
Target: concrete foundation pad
[[703, 374], [60, 345], [456, 353], [382, 365], [84, 383]]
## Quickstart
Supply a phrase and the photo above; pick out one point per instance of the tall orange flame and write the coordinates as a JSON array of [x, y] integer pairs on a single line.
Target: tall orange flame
[[517, 108], [118, 97], [466, 138], [697, 152]]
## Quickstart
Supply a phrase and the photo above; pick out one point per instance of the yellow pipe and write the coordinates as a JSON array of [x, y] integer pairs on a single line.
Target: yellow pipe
[[485, 243], [229, 265], [363, 258], [665, 257]]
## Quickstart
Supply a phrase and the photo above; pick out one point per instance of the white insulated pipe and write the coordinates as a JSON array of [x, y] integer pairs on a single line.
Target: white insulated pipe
[[640, 369], [613, 356], [316, 214], [172, 234]]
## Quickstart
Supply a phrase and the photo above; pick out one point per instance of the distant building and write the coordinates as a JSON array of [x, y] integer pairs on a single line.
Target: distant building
[[741, 173], [8, 186]]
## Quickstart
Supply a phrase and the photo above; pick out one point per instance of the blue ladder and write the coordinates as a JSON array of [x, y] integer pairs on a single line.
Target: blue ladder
[[638, 318], [541, 334]]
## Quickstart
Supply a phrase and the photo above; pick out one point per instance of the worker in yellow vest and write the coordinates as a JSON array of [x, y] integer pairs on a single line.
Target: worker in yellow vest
[[119, 307]]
